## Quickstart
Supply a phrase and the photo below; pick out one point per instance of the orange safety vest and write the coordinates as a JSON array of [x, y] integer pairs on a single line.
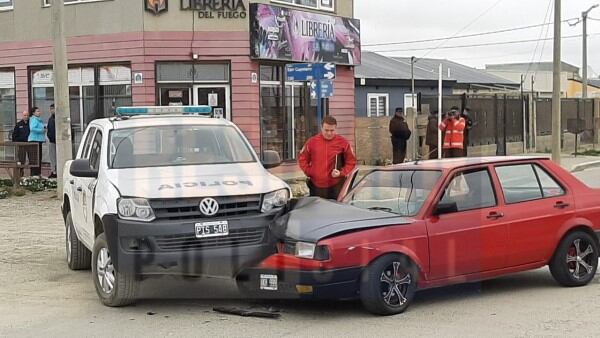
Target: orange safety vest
[[453, 133]]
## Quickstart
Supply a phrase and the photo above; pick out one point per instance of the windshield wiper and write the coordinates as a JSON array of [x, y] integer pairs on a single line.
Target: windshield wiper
[[381, 209]]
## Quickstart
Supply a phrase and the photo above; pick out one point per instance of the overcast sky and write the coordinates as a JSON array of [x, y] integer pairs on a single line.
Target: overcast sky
[[384, 21]]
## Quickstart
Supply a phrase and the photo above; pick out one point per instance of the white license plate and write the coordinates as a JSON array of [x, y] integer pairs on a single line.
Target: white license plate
[[268, 282], [212, 229]]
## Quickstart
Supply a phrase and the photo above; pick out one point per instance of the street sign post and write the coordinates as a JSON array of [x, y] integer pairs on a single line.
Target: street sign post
[[321, 77]]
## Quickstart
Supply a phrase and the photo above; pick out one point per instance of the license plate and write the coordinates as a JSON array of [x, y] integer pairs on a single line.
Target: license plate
[[268, 282], [212, 229]]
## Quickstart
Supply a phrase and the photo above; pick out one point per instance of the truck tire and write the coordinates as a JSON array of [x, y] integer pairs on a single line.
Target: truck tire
[[113, 288], [576, 259], [78, 256]]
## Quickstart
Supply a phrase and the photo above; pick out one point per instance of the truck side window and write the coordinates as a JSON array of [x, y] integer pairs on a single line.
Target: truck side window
[[96, 149], [88, 142]]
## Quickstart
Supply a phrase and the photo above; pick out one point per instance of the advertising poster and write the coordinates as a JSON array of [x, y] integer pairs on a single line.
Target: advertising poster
[[285, 34]]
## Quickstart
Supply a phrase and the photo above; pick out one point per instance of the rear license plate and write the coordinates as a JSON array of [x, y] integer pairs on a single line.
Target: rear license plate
[[268, 282], [212, 229]]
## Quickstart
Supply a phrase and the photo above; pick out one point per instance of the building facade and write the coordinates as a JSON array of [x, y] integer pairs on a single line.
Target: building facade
[[229, 54]]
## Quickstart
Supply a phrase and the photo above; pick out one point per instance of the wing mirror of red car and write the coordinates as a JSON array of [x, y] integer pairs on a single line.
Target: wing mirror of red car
[[445, 208]]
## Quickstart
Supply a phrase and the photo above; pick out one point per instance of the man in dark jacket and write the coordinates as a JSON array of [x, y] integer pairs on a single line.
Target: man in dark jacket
[[400, 134], [431, 137], [21, 134], [51, 133], [466, 114]]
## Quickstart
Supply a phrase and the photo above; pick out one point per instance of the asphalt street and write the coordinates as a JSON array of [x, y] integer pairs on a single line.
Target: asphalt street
[[41, 297]]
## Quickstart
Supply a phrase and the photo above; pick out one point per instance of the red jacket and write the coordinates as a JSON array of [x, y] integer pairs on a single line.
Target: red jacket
[[317, 160], [453, 130]]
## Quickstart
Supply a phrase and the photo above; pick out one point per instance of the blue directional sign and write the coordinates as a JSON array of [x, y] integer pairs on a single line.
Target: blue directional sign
[[310, 71], [326, 88]]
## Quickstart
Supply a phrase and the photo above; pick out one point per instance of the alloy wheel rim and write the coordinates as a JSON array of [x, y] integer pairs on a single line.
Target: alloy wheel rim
[[69, 247], [394, 285], [105, 271], [579, 259]]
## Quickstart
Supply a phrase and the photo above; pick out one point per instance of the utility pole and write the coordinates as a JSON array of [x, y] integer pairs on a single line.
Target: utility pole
[[64, 150], [415, 149], [556, 128], [584, 17]]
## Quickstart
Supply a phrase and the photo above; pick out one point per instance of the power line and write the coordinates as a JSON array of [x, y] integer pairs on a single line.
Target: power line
[[547, 17], [506, 30], [481, 44], [593, 19], [464, 28]]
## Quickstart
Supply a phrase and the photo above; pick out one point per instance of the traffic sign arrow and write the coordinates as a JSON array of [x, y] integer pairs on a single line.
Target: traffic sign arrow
[[329, 75], [329, 66], [313, 85]]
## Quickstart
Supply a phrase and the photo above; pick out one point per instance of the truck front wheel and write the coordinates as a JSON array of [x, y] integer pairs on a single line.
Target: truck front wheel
[[113, 288]]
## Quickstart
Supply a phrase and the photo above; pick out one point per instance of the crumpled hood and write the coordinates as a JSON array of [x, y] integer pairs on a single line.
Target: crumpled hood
[[312, 219], [195, 181]]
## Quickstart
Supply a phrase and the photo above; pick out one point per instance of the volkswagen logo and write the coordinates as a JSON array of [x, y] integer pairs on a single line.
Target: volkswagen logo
[[209, 207]]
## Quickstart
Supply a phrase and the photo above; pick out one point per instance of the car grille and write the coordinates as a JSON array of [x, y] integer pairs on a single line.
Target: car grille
[[239, 237], [188, 208]]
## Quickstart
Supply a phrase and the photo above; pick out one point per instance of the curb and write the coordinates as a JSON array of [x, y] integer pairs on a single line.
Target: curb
[[584, 166]]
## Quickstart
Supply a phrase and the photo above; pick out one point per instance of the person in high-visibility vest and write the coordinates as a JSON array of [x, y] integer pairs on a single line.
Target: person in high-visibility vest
[[453, 128]]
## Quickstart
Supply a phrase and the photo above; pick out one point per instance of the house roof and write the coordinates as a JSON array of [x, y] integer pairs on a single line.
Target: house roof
[[594, 82], [532, 67], [377, 66], [459, 72]]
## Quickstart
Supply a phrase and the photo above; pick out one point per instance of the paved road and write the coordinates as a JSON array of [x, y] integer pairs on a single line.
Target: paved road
[[41, 297]]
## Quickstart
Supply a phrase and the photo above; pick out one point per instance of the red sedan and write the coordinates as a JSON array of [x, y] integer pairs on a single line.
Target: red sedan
[[415, 226]]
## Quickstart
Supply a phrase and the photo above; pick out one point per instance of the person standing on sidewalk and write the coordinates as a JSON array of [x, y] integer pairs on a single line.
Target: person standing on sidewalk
[[37, 132], [51, 133], [466, 114], [327, 159], [400, 135], [453, 127], [431, 137], [21, 134]]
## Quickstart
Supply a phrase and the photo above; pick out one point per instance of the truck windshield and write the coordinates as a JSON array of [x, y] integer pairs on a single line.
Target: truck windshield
[[401, 192], [160, 146]]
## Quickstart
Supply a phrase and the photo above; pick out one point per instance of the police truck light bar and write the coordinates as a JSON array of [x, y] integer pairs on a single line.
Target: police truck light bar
[[165, 110]]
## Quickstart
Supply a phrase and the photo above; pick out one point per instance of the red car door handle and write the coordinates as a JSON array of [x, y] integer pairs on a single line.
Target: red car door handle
[[561, 205], [495, 215]]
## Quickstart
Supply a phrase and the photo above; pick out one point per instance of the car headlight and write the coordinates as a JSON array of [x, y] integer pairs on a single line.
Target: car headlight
[[311, 251], [274, 200], [135, 209]]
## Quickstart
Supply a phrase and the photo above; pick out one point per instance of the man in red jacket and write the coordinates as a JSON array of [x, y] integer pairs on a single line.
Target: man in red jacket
[[326, 160]]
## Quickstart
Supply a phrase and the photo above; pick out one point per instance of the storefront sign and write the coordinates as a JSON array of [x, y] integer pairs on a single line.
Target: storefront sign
[[138, 78], [217, 9], [7, 80], [213, 99], [76, 76], [156, 6], [279, 33]]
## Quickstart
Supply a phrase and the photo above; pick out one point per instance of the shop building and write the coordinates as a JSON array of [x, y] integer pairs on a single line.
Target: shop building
[[230, 54]]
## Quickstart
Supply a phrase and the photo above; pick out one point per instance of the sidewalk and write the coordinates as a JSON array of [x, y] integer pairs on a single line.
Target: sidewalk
[[291, 171]]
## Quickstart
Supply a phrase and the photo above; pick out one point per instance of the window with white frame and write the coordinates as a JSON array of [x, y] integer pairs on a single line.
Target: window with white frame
[[68, 2], [7, 99], [378, 105], [325, 5], [6, 5]]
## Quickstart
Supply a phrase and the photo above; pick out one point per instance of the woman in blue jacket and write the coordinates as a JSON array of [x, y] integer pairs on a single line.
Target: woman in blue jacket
[[37, 134]]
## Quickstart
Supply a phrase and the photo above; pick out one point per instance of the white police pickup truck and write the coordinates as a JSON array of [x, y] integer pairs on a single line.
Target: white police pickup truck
[[167, 190]]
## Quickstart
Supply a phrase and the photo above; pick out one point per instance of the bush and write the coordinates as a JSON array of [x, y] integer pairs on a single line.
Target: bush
[[5, 182], [33, 184], [3, 193]]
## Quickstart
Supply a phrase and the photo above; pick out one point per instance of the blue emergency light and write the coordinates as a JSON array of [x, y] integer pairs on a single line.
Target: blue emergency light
[[165, 110]]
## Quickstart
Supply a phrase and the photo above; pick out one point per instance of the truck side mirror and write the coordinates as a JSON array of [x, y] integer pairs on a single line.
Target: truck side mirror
[[271, 159], [82, 168]]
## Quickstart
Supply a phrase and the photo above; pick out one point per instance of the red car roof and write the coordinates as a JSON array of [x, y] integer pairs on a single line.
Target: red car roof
[[451, 163]]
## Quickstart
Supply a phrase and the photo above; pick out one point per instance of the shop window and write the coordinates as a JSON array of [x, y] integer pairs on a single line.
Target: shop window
[[7, 100], [378, 105], [201, 73], [6, 5], [326, 5]]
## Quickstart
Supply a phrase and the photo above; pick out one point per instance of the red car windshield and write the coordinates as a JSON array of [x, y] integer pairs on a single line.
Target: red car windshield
[[401, 192]]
